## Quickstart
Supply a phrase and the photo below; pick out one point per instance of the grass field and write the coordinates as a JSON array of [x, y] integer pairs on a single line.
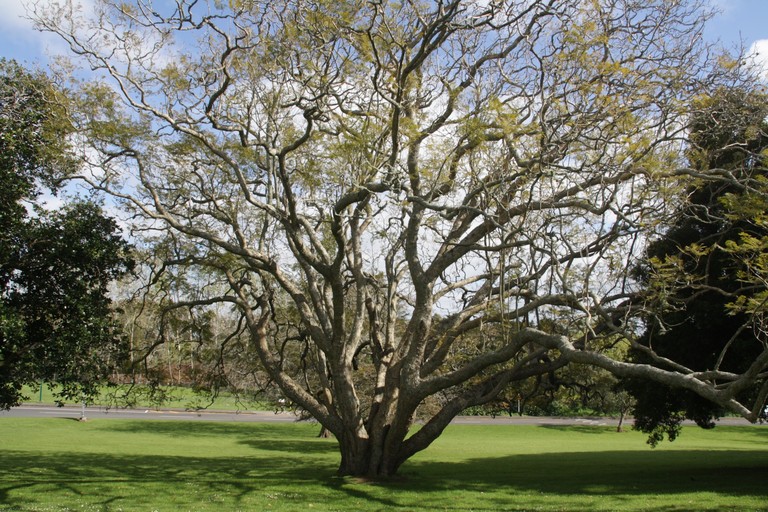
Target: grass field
[[113, 465], [175, 397]]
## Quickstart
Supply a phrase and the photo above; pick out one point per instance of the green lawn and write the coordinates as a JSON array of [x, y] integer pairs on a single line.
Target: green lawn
[[61, 464], [174, 397]]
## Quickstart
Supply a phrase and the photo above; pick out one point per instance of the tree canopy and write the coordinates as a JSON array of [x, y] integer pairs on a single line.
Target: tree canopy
[[702, 272], [408, 205], [55, 267]]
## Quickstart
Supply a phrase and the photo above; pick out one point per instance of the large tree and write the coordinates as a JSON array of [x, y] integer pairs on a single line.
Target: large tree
[[706, 268], [55, 267], [392, 195]]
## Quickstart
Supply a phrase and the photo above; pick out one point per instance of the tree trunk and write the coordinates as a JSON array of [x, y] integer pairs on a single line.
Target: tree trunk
[[621, 421], [359, 458], [355, 455]]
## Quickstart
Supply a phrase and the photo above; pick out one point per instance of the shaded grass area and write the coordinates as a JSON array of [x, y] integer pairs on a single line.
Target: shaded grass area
[[58, 464]]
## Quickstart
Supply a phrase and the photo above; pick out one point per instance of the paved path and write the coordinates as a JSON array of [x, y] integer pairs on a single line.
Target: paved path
[[95, 413]]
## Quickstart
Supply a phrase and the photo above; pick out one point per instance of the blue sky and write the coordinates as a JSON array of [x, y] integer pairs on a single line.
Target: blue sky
[[740, 22]]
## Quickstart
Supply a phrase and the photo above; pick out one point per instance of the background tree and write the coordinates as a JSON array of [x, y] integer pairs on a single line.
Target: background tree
[[203, 348], [413, 182], [55, 267], [707, 262]]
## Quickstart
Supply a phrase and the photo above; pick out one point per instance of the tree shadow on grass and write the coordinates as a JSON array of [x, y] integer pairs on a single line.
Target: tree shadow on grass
[[581, 429], [618, 475], [287, 464], [298, 438], [274, 459], [652, 480], [142, 480], [253, 430], [248, 482]]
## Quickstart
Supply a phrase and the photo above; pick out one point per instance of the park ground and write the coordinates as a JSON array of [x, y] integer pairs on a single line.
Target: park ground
[[58, 464]]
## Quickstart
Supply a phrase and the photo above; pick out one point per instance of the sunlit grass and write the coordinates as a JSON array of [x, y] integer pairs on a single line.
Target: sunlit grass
[[59, 464], [173, 397]]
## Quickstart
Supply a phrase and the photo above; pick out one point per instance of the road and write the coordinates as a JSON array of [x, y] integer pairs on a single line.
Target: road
[[98, 413]]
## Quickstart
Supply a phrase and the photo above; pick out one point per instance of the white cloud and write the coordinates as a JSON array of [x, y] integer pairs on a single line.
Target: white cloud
[[18, 36], [13, 18]]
